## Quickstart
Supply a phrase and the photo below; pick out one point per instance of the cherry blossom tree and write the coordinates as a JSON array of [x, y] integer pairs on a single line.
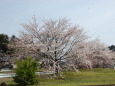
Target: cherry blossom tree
[[80, 55], [92, 54], [101, 55], [55, 39]]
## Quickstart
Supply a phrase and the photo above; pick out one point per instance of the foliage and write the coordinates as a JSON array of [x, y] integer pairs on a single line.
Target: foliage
[[92, 54], [25, 72], [4, 40], [53, 39], [62, 46], [5, 43], [112, 47]]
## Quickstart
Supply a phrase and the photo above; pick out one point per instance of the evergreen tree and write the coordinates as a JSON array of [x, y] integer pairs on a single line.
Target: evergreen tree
[[4, 40], [25, 72]]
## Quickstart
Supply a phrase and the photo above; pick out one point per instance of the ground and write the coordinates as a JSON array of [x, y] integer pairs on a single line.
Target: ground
[[85, 77]]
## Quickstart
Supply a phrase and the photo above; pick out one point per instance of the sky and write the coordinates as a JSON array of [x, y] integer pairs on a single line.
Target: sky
[[97, 17]]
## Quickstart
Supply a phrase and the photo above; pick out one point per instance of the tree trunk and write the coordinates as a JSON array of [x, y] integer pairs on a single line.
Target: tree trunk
[[55, 68]]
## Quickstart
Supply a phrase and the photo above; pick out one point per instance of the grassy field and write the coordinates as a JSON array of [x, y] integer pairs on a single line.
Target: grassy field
[[84, 77]]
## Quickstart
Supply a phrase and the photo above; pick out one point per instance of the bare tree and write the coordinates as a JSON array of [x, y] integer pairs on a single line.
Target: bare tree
[[54, 39]]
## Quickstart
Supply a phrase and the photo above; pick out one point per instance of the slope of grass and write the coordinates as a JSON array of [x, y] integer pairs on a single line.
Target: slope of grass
[[84, 77]]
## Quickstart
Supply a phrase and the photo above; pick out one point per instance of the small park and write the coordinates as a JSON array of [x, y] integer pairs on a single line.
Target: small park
[[55, 53]]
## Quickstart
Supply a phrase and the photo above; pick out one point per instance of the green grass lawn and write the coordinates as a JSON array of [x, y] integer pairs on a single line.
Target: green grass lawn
[[84, 77]]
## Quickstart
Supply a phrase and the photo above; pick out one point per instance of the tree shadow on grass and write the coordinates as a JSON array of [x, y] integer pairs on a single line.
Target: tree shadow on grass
[[20, 85], [12, 85], [15, 85]]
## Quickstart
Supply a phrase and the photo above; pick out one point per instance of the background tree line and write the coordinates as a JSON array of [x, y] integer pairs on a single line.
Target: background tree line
[[58, 45], [5, 41]]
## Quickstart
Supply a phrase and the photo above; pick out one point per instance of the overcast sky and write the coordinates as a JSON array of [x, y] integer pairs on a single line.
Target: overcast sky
[[97, 17]]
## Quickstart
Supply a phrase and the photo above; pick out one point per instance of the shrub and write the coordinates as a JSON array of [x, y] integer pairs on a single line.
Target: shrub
[[25, 72]]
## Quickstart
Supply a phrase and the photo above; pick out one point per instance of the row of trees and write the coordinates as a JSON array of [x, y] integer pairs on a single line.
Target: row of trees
[[59, 45], [5, 49]]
